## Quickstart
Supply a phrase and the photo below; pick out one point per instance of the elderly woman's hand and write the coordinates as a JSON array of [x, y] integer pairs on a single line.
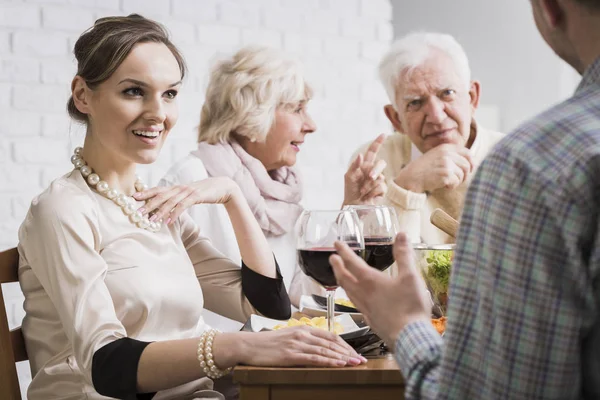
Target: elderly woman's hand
[[363, 182], [169, 202]]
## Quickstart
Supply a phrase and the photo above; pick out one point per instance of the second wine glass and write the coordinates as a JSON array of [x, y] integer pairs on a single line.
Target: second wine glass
[[379, 227]]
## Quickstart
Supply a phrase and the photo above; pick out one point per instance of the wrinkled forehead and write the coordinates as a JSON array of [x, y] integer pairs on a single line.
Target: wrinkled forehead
[[437, 72], [294, 104]]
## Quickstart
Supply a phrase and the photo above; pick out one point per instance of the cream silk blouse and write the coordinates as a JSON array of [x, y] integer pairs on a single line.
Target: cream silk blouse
[[91, 277]]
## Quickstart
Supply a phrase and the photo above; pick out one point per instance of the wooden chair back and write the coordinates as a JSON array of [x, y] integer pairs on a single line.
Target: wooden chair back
[[12, 344]]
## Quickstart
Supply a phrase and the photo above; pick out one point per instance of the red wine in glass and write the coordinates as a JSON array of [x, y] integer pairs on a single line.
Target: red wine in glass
[[315, 264], [379, 225], [379, 252]]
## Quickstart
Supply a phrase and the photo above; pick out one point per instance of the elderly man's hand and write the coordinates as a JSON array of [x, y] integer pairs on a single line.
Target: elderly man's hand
[[363, 182], [445, 166], [388, 304]]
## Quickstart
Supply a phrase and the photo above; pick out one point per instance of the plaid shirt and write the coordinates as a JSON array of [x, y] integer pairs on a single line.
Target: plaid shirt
[[525, 287]]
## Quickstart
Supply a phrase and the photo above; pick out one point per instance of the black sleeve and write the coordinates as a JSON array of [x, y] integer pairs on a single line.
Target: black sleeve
[[114, 369], [267, 295]]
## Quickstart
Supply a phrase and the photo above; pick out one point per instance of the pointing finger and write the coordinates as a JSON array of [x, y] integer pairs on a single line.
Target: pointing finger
[[374, 149]]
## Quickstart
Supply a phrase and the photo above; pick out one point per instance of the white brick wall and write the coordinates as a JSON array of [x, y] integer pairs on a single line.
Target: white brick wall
[[338, 40], [20, 70], [20, 16], [39, 43]]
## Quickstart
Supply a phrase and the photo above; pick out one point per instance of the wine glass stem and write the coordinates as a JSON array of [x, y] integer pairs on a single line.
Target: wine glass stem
[[330, 309]]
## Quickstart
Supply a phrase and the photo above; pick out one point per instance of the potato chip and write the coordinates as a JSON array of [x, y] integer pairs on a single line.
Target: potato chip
[[345, 302], [316, 322]]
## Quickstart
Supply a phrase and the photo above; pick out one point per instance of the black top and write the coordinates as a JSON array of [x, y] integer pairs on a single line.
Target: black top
[[115, 365], [267, 295]]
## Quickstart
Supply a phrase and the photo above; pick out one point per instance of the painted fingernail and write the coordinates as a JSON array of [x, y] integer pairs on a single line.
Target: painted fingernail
[[354, 361], [137, 194], [142, 210], [168, 221], [153, 218]]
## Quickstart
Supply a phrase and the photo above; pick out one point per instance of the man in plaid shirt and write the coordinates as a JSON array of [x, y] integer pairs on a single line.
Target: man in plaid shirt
[[523, 320]]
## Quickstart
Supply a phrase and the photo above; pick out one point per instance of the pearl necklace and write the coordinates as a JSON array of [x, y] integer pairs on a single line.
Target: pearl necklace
[[127, 203]]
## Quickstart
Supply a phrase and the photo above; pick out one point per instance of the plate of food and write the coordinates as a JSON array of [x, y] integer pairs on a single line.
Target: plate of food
[[344, 325], [309, 306]]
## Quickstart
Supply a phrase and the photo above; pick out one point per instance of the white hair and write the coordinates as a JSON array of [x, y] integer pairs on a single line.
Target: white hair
[[245, 90], [412, 50]]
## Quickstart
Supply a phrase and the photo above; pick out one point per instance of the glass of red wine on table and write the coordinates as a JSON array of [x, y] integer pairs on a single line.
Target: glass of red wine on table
[[317, 231], [368, 230], [379, 226]]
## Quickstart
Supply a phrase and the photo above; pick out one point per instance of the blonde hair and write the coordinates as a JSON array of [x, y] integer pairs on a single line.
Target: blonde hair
[[412, 50], [244, 92]]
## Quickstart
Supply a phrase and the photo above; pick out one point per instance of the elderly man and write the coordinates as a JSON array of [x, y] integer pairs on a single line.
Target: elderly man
[[438, 144], [523, 320]]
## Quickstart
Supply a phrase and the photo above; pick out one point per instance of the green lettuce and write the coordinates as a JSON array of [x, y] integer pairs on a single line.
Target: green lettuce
[[439, 263]]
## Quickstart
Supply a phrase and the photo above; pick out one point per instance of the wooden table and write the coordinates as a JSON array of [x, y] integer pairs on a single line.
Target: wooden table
[[378, 379]]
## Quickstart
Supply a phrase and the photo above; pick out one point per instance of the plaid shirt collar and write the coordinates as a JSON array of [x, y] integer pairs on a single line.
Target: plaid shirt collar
[[590, 76]]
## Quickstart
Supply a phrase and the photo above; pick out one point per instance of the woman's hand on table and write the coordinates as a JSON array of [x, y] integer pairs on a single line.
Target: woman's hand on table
[[363, 182], [169, 203], [388, 304], [297, 346]]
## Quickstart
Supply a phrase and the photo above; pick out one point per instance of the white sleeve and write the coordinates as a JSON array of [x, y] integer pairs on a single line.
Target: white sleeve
[[408, 206]]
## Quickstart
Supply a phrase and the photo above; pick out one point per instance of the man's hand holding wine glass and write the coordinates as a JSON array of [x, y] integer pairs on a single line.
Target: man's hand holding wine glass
[[388, 304]]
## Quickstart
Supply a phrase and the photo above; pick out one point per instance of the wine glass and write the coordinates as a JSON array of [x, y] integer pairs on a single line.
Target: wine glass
[[317, 230], [379, 226]]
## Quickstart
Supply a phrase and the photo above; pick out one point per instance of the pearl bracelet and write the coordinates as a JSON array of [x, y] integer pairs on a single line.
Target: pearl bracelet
[[205, 356]]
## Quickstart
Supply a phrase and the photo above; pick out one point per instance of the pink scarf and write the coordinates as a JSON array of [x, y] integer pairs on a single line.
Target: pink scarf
[[273, 197]]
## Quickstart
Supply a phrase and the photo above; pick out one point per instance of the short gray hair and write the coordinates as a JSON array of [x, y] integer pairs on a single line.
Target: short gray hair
[[412, 50], [245, 90]]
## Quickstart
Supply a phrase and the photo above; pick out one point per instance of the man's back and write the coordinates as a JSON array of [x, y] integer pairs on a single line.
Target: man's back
[[524, 291]]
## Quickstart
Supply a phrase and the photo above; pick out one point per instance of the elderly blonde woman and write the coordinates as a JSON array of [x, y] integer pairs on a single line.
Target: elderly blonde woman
[[252, 126]]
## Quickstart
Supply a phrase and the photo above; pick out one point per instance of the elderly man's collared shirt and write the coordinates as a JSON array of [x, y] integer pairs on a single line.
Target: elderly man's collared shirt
[[524, 294]]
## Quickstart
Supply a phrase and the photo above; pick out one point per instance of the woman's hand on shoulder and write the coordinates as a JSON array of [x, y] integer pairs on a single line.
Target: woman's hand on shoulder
[[299, 345], [168, 203]]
